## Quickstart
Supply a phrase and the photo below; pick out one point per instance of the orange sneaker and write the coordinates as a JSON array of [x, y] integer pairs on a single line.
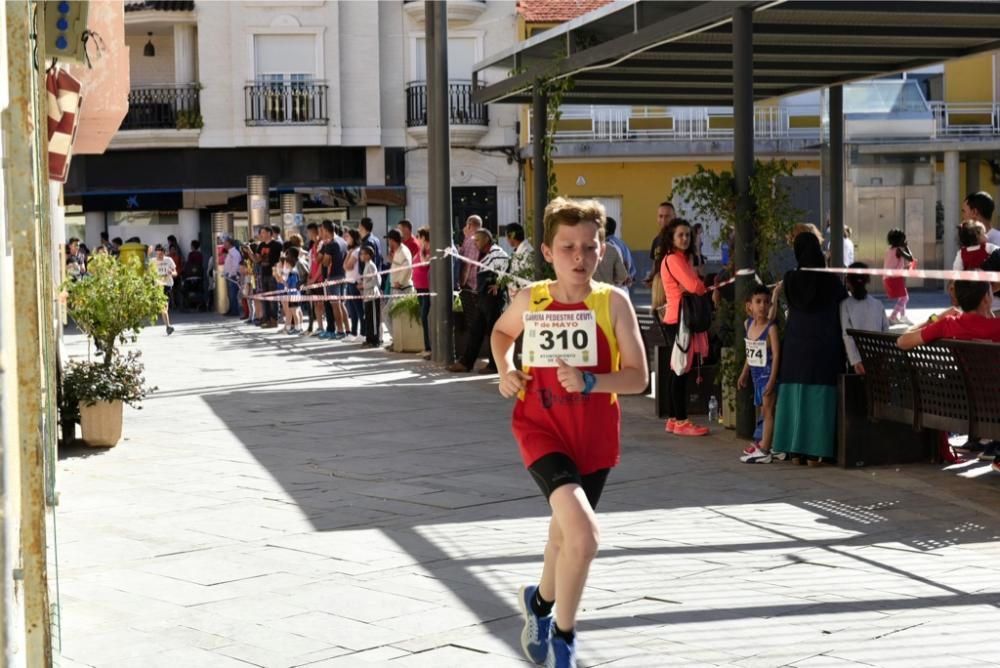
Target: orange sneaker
[[690, 429], [669, 425]]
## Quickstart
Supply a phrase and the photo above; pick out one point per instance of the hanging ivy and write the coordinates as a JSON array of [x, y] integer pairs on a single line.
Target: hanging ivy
[[554, 91], [712, 195]]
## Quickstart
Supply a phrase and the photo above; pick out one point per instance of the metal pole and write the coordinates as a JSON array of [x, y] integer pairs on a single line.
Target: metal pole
[[539, 172], [439, 178], [25, 166], [836, 176], [952, 202], [743, 171]]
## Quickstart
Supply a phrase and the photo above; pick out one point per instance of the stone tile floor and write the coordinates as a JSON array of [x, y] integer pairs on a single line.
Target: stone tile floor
[[289, 502]]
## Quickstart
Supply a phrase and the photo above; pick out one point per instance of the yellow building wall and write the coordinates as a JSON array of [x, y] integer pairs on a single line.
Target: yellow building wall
[[640, 185], [969, 79]]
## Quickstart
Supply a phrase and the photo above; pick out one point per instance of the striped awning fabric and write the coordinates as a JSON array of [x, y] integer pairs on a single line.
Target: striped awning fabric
[[64, 113]]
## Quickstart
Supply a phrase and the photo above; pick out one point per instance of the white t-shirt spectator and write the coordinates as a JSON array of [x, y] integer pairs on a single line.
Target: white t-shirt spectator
[[402, 264], [165, 270], [993, 236], [848, 252]]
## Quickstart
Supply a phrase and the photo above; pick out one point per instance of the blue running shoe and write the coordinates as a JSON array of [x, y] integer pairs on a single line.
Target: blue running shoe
[[536, 632], [561, 654]]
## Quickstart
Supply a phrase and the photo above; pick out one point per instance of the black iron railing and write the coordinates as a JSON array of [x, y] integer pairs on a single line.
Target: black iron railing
[[167, 106], [286, 103], [461, 109]]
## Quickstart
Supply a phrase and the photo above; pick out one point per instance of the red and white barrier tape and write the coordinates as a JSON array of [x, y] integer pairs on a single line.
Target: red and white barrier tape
[[298, 299], [342, 281], [944, 274], [522, 282]]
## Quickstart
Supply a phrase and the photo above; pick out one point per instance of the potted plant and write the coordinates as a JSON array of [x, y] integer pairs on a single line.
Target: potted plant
[[407, 333], [94, 395], [110, 304]]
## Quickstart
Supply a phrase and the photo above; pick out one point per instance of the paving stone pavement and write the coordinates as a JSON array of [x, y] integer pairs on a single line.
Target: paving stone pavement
[[290, 502]]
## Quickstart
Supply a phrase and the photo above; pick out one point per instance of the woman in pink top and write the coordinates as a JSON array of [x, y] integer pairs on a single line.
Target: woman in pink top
[[422, 284], [678, 277]]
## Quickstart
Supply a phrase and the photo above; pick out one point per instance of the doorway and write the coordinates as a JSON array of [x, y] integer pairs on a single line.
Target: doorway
[[475, 200]]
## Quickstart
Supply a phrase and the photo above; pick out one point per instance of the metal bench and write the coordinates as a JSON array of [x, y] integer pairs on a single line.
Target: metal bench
[[947, 386]]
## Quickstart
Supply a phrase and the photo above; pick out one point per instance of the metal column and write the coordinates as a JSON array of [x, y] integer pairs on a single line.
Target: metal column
[[258, 202], [439, 178], [26, 212], [743, 171], [291, 214], [952, 202], [222, 225], [972, 174], [836, 176], [539, 173]]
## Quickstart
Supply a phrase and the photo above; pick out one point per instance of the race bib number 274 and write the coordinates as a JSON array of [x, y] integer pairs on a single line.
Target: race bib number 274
[[553, 335]]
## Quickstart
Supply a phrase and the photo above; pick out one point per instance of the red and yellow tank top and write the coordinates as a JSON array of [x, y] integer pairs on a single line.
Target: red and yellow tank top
[[548, 419]]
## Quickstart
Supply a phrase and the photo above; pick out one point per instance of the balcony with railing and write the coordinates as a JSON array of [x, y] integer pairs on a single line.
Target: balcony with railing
[[161, 115], [286, 103], [163, 107], [469, 121]]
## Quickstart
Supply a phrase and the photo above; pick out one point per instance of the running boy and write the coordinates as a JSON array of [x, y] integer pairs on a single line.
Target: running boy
[[566, 418], [763, 352]]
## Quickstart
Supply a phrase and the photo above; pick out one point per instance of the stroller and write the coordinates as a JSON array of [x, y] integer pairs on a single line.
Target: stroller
[[193, 295]]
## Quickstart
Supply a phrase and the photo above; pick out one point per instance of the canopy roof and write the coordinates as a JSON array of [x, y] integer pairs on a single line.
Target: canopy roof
[[646, 52]]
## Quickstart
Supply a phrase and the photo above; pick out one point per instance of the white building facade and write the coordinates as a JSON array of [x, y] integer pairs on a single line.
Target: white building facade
[[326, 99]]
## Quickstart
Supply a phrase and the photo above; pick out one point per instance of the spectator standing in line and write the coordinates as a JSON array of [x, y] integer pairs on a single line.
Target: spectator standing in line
[[165, 270], [812, 355], [468, 295], [401, 275], [332, 258], [405, 228], [611, 268], [315, 276], [230, 273], [610, 227], [370, 290], [698, 259], [665, 214], [75, 265], [422, 284], [490, 303], [974, 246], [268, 257], [979, 206], [861, 312], [352, 289], [195, 264], [678, 278], [522, 261], [116, 246], [105, 244], [368, 239]]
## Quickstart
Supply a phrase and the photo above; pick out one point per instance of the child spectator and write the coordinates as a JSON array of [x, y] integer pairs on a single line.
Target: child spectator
[[372, 325], [974, 246], [295, 276], [862, 312], [566, 419], [763, 354], [897, 256]]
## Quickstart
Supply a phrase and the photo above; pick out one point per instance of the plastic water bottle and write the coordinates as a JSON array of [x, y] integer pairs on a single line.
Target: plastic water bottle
[[713, 410]]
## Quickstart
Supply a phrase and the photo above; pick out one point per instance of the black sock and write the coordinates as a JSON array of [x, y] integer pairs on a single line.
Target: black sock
[[540, 606], [568, 636]]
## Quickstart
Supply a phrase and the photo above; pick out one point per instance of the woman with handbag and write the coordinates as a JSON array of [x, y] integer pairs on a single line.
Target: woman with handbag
[[679, 279]]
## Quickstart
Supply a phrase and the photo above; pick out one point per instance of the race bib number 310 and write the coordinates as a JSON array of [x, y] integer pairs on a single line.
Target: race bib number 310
[[553, 335]]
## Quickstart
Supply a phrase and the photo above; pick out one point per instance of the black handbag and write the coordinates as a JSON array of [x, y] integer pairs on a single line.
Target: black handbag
[[697, 309]]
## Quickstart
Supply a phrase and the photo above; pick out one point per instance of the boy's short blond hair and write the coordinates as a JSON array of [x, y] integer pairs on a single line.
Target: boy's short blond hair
[[566, 211]]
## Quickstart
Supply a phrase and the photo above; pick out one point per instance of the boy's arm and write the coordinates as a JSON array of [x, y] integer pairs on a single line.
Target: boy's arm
[[505, 332], [633, 375]]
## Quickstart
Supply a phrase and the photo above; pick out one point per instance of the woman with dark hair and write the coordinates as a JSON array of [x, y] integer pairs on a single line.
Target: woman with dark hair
[[352, 271], [812, 355], [678, 277]]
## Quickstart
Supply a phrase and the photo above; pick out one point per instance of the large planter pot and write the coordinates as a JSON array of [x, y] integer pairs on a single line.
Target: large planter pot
[[407, 335], [101, 423]]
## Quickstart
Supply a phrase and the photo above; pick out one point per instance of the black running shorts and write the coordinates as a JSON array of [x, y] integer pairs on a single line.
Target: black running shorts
[[555, 469]]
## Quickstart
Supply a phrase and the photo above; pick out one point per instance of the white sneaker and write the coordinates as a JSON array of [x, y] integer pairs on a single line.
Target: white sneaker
[[758, 456]]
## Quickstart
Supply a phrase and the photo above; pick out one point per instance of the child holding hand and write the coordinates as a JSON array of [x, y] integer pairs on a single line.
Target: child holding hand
[[763, 352]]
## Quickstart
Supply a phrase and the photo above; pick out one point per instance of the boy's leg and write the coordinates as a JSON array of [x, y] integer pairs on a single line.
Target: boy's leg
[[579, 539], [770, 403]]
